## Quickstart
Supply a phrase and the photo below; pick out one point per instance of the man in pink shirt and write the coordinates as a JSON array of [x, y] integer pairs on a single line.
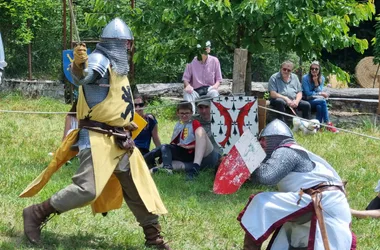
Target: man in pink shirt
[[202, 76]]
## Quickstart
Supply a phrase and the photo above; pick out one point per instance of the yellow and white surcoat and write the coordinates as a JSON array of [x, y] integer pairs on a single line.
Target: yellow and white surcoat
[[114, 110]]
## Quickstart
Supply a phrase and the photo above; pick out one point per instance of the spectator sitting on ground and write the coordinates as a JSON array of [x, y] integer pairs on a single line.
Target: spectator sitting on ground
[[312, 85], [373, 208], [208, 153], [142, 141], [286, 92], [182, 144], [202, 76]]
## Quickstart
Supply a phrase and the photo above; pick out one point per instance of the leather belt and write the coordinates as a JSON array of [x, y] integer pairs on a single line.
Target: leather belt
[[316, 197], [95, 124], [103, 128]]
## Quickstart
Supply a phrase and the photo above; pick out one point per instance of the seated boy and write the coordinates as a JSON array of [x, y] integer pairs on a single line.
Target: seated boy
[[182, 144]]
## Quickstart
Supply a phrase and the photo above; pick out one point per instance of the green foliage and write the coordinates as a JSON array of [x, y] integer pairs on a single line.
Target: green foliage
[[266, 64], [168, 31], [34, 22], [376, 44], [162, 109]]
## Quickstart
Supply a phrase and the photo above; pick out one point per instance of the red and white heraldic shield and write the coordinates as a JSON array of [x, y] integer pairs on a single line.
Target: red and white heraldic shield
[[230, 116], [244, 157]]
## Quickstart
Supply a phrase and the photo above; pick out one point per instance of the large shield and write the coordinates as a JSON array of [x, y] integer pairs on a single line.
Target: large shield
[[3, 64], [68, 57], [244, 157], [230, 115]]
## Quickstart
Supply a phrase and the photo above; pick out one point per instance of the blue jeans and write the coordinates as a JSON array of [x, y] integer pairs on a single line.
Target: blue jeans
[[168, 153], [320, 106]]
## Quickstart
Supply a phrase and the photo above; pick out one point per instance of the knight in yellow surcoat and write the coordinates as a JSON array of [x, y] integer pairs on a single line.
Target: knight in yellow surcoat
[[110, 167]]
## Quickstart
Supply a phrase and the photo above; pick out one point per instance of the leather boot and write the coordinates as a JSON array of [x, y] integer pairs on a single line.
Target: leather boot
[[249, 244], [34, 216], [153, 237]]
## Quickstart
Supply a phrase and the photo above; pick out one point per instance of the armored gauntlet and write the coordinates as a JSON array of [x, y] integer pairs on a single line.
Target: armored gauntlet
[[80, 61]]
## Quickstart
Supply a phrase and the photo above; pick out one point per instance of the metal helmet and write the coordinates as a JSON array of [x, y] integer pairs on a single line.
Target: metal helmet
[[276, 127], [117, 29], [275, 133]]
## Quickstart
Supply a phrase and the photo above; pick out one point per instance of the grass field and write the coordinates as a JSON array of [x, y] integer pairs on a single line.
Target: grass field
[[197, 219]]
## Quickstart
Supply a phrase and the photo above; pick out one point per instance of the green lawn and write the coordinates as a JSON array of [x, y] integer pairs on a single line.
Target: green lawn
[[197, 218]]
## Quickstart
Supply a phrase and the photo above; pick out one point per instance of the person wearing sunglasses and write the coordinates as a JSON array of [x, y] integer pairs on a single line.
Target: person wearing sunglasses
[[286, 92], [312, 88], [142, 141]]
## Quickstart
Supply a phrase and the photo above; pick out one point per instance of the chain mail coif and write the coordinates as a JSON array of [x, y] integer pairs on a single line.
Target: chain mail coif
[[283, 161], [116, 52], [272, 143]]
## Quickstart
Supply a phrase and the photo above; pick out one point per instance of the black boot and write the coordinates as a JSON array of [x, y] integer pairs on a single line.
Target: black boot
[[192, 171], [374, 204], [34, 216], [153, 237]]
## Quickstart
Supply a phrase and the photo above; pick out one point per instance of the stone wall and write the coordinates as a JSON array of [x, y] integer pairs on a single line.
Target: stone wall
[[34, 88], [351, 107]]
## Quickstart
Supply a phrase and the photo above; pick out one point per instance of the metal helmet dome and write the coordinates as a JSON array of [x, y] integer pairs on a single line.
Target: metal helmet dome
[[276, 127], [117, 29]]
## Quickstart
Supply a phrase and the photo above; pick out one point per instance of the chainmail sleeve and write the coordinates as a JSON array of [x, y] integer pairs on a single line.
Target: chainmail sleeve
[[283, 161]]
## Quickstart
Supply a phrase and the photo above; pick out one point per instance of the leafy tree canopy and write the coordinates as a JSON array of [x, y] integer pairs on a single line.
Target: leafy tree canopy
[[169, 30]]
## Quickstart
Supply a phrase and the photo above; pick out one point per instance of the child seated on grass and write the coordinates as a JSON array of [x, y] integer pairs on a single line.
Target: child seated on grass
[[182, 144]]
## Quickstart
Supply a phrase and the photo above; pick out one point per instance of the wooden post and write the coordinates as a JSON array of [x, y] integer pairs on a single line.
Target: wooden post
[[240, 65], [239, 81], [262, 113]]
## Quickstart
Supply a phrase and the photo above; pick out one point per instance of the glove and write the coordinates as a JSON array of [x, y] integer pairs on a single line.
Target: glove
[[80, 54], [126, 144], [80, 61], [132, 126]]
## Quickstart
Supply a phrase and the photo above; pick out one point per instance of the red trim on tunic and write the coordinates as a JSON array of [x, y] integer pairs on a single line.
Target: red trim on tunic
[[277, 224]]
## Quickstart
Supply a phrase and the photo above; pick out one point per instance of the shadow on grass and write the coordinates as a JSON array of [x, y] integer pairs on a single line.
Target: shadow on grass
[[53, 241], [177, 188]]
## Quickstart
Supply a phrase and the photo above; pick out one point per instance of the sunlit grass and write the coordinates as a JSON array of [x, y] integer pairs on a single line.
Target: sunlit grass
[[197, 219]]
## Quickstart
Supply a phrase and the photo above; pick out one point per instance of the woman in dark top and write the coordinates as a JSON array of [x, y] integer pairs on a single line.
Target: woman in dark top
[[142, 141]]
